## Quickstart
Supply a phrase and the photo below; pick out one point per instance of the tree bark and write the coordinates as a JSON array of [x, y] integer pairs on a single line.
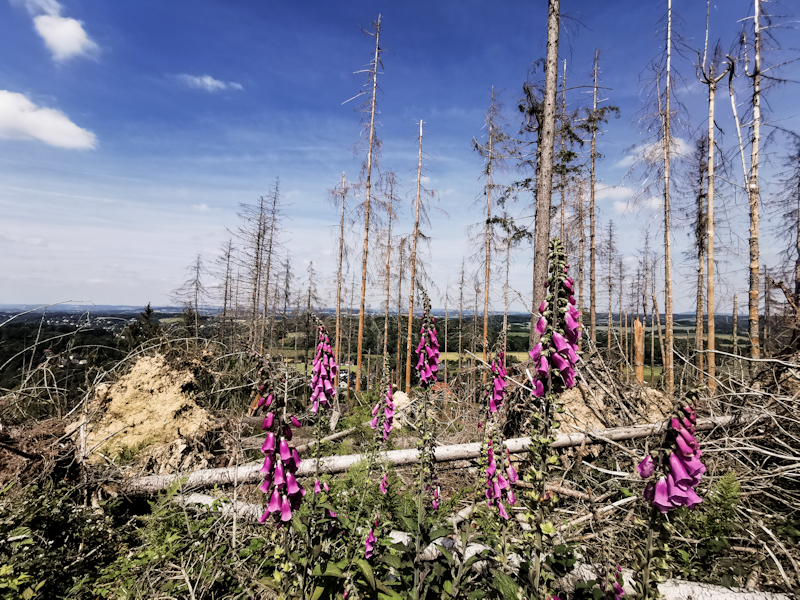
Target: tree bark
[[544, 173], [206, 478], [338, 334], [413, 266], [638, 342], [753, 189], [667, 359], [368, 189], [592, 248]]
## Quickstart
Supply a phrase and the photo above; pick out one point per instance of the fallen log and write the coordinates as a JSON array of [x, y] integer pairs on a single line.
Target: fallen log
[[206, 478]]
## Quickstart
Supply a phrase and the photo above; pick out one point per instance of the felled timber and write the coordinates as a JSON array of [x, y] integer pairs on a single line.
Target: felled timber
[[206, 478]]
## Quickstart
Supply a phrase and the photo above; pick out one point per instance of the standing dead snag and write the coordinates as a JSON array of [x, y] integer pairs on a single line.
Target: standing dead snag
[[544, 164], [413, 265], [711, 79], [371, 150], [667, 119], [342, 194]]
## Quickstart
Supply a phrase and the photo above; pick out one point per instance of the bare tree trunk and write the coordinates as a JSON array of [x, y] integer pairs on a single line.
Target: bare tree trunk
[[338, 334], [638, 343], [767, 311], [753, 188], [368, 189], [544, 173], [711, 80], [270, 240], [670, 375], [581, 250], [413, 266], [658, 326], [653, 327], [446, 319], [488, 241], [592, 248], [735, 324], [563, 169], [460, 317], [399, 361], [388, 264]]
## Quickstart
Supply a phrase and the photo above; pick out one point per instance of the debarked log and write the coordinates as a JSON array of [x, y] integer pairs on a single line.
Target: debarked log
[[206, 478]]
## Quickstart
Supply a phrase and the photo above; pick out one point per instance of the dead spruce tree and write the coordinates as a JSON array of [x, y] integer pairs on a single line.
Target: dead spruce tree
[[339, 196], [373, 147], [193, 293]]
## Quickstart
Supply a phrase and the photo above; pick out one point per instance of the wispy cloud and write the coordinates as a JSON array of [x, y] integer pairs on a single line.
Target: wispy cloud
[[202, 207], [617, 192], [653, 153], [64, 37], [22, 119], [208, 83]]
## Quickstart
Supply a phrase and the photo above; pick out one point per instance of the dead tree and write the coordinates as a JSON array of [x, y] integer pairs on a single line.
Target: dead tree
[[372, 148], [544, 163]]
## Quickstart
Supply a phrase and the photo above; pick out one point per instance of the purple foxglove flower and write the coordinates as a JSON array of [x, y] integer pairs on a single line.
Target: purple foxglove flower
[[286, 509], [274, 502], [292, 486], [569, 380], [544, 366], [510, 496], [690, 439], [491, 469], [279, 477], [374, 422], [286, 454], [376, 408], [660, 496], [536, 352], [268, 401], [538, 389], [496, 490], [675, 423], [677, 495], [571, 321], [560, 363], [559, 342], [492, 405], [326, 488], [647, 467], [541, 325], [265, 485], [436, 494], [502, 482], [693, 467], [296, 456], [572, 356], [512, 474], [502, 508], [269, 443], [369, 546], [568, 284], [435, 505], [260, 400], [571, 299], [267, 467], [384, 485], [543, 306], [692, 499], [268, 420], [296, 422], [683, 447], [317, 488], [263, 518], [678, 471]]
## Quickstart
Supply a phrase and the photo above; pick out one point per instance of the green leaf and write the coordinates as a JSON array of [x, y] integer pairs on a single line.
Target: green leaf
[[505, 585], [331, 570], [387, 591], [318, 591], [410, 524], [547, 528], [367, 571], [440, 532], [392, 560]]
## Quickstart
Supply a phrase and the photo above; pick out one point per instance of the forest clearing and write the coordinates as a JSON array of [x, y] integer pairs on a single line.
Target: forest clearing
[[379, 417]]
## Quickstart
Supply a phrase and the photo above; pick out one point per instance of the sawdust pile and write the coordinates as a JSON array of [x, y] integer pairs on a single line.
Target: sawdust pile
[[589, 406], [150, 408]]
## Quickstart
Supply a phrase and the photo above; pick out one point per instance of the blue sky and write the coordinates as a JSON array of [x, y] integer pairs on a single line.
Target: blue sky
[[130, 132]]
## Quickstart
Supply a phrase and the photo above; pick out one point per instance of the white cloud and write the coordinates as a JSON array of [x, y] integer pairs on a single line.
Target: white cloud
[[22, 119], [627, 207], [617, 192], [208, 83], [201, 207], [63, 36], [653, 153]]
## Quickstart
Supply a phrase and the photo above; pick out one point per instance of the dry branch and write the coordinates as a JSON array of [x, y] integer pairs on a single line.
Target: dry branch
[[205, 478]]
